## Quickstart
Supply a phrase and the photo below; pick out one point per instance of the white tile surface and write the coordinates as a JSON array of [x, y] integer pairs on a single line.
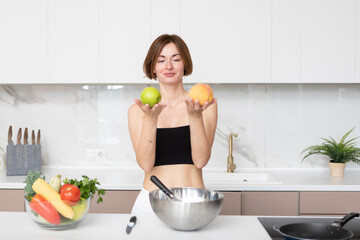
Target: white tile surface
[[274, 122]]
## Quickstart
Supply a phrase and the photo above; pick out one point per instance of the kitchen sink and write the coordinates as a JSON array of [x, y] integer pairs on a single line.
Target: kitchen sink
[[240, 177], [268, 223]]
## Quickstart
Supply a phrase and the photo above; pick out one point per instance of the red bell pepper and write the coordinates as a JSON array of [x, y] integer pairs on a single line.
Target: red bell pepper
[[45, 209]]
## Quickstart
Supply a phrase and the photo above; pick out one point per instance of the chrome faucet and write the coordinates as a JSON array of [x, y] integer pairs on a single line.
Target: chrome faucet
[[230, 160]]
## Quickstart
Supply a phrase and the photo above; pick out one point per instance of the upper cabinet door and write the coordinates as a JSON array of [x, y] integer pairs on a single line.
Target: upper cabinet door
[[328, 41], [125, 36], [229, 40], [23, 41], [73, 28], [286, 41], [165, 17]]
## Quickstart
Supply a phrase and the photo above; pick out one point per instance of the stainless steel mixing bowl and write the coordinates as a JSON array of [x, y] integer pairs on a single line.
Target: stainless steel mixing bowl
[[197, 208]]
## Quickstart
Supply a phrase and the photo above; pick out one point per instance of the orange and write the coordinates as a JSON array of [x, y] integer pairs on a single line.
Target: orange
[[201, 92]]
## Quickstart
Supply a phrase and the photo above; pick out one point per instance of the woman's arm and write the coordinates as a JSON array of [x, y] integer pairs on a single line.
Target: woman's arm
[[142, 121], [203, 121]]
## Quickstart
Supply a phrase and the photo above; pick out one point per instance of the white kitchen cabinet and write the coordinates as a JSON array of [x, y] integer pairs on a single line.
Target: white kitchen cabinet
[[73, 35], [165, 17], [23, 41], [125, 36], [286, 41], [328, 41], [229, 40]]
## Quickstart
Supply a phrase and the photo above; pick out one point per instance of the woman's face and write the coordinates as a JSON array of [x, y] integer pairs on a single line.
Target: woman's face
[[169, 66]]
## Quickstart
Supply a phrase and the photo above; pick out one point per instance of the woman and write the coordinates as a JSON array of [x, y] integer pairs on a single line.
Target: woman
[[173, 139]]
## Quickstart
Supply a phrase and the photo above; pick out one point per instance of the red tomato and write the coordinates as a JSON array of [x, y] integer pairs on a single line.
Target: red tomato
[[64, 186], [70, 194], [45, 209]]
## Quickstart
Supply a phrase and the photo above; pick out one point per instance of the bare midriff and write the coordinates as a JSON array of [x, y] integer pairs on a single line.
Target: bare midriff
[[178, 175]]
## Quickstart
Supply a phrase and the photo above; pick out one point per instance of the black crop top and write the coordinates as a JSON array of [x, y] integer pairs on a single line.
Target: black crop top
[[173, 146]]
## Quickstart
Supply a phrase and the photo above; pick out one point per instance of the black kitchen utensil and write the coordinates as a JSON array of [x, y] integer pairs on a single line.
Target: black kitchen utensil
[[163, 188], [317, 231], [130, 224]]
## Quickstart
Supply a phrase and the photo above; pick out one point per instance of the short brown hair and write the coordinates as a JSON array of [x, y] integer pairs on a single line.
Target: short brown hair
[[158, 45]]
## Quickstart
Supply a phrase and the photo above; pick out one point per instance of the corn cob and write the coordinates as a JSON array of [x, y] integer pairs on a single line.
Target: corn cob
[[44, 189]]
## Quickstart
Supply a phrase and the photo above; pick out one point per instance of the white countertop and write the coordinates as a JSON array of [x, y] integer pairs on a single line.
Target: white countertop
[[115, 178], [18, 225]]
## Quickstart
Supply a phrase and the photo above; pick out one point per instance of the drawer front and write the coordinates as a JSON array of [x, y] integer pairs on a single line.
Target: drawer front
[[231, 203], [114, 202], [12, 200], [331, 203], [270, 203]]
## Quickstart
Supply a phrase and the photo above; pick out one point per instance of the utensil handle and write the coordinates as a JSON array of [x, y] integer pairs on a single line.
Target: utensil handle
[[345, 219], [10, 134], [162, 187], [277, 227], [38, 137], [19, 137], [26, 136], [130, 224], [33, 137]]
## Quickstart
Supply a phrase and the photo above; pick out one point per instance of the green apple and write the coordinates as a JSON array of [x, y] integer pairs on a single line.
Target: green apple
[[151, 96]]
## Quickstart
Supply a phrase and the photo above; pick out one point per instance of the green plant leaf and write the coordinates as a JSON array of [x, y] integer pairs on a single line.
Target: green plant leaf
[[351, 141], [346, 134], [87, 187], [339, 152]]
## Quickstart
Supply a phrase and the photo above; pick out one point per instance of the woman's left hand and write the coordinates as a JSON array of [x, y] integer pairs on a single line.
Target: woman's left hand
[[194, 108]]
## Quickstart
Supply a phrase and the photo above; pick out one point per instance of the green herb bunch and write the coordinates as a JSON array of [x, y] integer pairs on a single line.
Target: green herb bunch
[[88, 187], [29, 180], [338, 152]]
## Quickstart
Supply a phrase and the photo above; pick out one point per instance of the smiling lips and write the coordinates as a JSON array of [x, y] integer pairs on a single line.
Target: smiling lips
[[169, 74]]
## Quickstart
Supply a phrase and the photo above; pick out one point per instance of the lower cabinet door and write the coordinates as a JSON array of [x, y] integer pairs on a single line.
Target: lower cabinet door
[[231, 203], [12, 200], [114, 201], [270, 203], [329, 203]]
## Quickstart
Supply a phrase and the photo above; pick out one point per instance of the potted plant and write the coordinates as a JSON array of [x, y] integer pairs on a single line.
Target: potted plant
[[339, 153]]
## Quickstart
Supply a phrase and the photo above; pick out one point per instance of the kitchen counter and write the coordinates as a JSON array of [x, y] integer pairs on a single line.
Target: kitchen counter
[[115, 178], [16, 225]]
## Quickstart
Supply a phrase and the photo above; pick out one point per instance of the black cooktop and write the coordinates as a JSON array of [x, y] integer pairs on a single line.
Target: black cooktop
[[268, 223]]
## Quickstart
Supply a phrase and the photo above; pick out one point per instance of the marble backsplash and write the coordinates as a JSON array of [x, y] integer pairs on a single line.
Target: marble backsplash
[[274, 122]]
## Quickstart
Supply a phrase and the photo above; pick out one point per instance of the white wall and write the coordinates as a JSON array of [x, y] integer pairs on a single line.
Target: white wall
[[275, 122]]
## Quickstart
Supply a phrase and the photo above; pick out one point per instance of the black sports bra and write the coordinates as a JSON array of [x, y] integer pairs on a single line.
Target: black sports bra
[[173, 146]]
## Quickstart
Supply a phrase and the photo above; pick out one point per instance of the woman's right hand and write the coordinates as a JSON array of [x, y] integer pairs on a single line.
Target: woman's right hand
[[153, 112]]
